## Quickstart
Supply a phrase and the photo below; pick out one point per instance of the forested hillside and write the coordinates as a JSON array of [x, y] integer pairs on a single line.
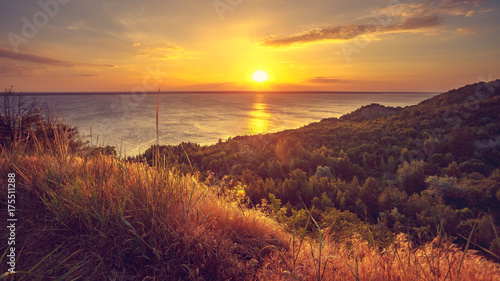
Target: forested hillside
[[425, 170]]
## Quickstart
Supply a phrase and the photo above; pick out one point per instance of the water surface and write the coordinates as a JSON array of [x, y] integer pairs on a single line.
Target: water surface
[[128, 121]]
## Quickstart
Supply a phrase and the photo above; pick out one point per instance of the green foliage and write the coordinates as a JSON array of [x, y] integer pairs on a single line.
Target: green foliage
[[411, 177], [341, 223], [323, 172]]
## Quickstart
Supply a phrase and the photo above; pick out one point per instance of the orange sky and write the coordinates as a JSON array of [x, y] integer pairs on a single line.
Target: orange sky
[[64, 45]]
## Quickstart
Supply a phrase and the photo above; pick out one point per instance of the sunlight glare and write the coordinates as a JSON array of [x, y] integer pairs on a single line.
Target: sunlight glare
[[259, 76], [259, 121]]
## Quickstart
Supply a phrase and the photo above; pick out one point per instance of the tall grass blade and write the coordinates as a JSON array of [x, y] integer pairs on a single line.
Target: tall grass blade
[[157, 154], [467, 247]]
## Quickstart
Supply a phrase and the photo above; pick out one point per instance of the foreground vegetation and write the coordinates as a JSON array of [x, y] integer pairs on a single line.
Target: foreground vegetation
[[85, 215], [99, 218]]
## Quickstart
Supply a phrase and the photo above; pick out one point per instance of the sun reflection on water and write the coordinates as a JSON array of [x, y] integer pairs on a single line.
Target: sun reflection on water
[[259, 119]]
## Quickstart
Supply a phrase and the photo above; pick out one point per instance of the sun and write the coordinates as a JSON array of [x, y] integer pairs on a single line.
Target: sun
[[259, 76]]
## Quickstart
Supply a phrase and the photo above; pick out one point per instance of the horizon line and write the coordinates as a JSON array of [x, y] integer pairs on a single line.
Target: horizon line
[[220, 92]]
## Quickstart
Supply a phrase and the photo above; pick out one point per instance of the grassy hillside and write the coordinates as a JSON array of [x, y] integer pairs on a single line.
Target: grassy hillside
[[84, 215], [98, 218]]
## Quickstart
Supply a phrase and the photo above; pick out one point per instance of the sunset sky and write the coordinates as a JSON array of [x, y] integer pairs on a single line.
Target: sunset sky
[[186, 45]]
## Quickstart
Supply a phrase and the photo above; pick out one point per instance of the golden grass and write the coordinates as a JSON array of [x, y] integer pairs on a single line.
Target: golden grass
[[106, 216], [356, 260]]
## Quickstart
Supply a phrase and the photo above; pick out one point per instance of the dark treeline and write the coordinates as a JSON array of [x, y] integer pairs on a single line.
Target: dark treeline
[[426, 170]]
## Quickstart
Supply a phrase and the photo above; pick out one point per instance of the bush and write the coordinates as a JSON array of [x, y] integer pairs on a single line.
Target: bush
[[19, 116], [24, 122]]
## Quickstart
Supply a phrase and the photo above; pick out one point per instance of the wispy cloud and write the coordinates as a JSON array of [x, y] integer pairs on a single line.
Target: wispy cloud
[[16, 70], [401, 18], [437, 7], [23, 70], [346, 32], [323, 80], [211, 86], [4, 53], [448, 7], [33, 58], [466, 30], [162, 51], [86, 75]]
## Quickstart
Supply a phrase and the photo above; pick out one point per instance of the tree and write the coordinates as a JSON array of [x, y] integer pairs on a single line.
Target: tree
[[275, 169], [391, 164], [383, 165], [461, 142], [411, 177], [369, 194], [323, 172]]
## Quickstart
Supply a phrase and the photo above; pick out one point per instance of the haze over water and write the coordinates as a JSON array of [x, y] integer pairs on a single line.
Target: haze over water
[[128, 122]]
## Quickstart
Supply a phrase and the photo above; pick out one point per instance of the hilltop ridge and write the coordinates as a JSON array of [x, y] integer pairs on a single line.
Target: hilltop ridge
[[467, 93], [371, 111]]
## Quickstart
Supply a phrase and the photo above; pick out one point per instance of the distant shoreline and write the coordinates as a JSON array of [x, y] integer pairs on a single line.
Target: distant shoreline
[[210, 92]]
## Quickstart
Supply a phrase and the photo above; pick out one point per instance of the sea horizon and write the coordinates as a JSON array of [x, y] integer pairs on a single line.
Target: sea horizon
[[58, 93], [128, 121]]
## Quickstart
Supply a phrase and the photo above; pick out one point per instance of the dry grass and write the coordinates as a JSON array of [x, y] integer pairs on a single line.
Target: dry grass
[[356, 260], [100, 218]]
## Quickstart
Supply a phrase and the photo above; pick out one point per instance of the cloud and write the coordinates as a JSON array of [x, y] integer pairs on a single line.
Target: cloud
[[78, 25], [418, 22], [23, 70], [322, 80], [86, 75], [459, 7], [466, 30], [4, 53], [33, 59], [343, 32], [436, 7], [16, 70], [211, 86], [289, 87], [346, 32], [162, 51], [401, 18]]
